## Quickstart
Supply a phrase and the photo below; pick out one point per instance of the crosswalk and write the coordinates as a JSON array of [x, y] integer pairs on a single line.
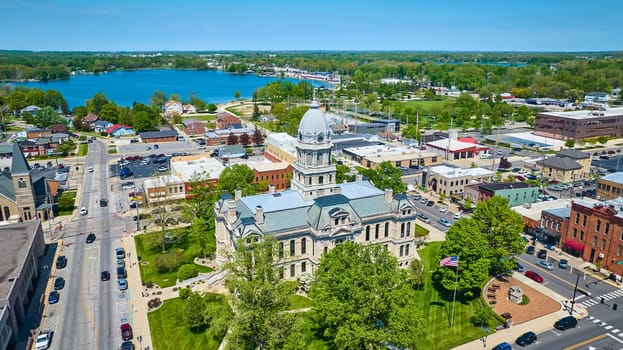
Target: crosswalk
[[608, 327], [608, 296]]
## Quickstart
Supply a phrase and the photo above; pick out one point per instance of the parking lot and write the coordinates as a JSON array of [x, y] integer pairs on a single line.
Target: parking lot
[[141, 149], [141, 167]]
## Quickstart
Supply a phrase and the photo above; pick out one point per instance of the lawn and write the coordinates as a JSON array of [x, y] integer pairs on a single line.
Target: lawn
[[83, 148], [202, 117], [160, 268], [422, 106], [168, 330], [112, 149], [420, 231], [437, 310], [299, 302]]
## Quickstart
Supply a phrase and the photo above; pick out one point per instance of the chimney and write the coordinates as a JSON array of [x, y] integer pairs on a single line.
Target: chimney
[[271, 188], [389, 195], [337, 190], [237, 194], [231, 210], [358, 177], [259, 215]]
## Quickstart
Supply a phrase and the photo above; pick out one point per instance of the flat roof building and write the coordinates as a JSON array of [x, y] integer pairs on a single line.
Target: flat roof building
[[449, 180], [372, 156], [581, 124]]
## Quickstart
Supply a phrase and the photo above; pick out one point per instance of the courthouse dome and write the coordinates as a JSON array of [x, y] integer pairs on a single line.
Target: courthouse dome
[[314, 127]]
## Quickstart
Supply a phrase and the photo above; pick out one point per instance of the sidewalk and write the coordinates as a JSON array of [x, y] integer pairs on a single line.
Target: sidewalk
[[137, 302], [538, 325]]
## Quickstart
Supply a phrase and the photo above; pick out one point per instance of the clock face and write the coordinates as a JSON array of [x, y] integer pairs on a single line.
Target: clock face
[[320, 137]]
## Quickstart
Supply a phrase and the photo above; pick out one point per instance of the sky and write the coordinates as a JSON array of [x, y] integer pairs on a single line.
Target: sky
[[270, 25]]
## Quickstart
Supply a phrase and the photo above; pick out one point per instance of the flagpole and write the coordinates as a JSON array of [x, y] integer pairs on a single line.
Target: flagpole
[[456, 281]]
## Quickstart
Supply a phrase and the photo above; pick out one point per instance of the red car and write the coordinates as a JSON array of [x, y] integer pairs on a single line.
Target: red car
[[534, 276], [126, 331]]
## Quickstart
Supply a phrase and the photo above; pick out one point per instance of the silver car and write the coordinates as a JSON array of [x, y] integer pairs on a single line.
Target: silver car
[[545, 264]]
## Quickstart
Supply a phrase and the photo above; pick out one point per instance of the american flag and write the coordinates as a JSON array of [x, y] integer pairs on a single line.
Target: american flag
[[452, 261]]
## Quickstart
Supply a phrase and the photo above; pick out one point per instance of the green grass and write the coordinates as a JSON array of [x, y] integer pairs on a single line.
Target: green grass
[[70, 208], [422, 106], [83, 148], [168, 330], [299, 302], [112, 149], [420, 231], [437, 310], [149, 248], [202, 117]]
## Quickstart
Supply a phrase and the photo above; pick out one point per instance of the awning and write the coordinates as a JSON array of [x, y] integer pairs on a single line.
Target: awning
[[574, 245]]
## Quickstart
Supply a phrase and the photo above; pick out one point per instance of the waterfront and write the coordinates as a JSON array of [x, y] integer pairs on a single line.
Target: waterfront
[[127, 87]]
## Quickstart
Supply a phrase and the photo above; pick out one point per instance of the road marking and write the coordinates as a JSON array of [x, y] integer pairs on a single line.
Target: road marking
[[615, 338], [616, 330], [585, 342], [596, 320], [609, 327]]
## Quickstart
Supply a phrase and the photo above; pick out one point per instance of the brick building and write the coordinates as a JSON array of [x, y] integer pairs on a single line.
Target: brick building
[[580, 125], [610, 186], [166, 135], [226, 120], [193, 127]]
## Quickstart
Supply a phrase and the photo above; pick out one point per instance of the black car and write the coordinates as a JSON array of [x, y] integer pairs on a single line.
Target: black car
[[542, 254], [91, 237], [104, 275], [53, 297], [430, 203], [127, 345], [61, 262], [121, 273], [59, 283], [526, 339], [566, 323], [103, 202], [530, 250]]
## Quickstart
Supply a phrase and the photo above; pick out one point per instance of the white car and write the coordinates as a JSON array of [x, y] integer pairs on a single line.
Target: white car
[[43, 340], [83, 211], [443, 209], [90, 169], [457, 216]]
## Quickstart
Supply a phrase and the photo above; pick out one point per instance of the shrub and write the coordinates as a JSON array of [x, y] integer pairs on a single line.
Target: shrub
[[184, 293], [186, 271], [82, 138], [524, 300], [154, 303]]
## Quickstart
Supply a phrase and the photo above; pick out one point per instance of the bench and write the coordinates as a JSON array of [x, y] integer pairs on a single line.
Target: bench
[[496, 286], [507, 316], [491, 296]]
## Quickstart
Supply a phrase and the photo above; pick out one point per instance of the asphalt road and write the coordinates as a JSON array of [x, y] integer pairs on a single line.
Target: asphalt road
[[90, 312]]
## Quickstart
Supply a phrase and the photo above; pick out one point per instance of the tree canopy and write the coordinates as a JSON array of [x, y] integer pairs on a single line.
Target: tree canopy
[[362, 300], [385, 175], [237, 176]]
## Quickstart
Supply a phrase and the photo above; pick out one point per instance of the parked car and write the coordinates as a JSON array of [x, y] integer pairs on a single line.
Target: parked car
[[90, 169], [163, 168], [123, 284], [417, 197], [423, 218], [53, 297], [61, 262], [43, 340], [121, 272], [542, 254], [430, 203], [457, 216], [566, 323], [104, 275], [503, 346], [519, 267], [424, 201], [443, 209], [126, 331], [530, 250], [103, 202], [59, 283], [90, 238], [545, 264], [526, 339], [120, 253], [534, 276], [444, 222], [563, 263], [83, 211], [127, 345], [120, 263], [530, 177]]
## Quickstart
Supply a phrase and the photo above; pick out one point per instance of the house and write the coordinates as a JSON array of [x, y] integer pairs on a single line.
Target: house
[[452, 148], [32, 109], [449, 180], [221, 136], [316, 213], [582, 158], [101, 125], [90, 119], [189, 109], [517, 193], [35, 133], [226, 120], [172, 108], [596, 97], [23, 248], [560, 169], [58, 129], [119, 130], [193, 127], [165, 135]]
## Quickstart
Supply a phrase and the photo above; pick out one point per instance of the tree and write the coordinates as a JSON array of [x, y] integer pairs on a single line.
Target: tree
[[341, 174], [416, 274], [245, 140], [464, 240], [232, 139], [385, 175], [175, 97], [194, 309], [109, 112], [237, 176], [158, 99], [236, 94], [257, 137], [362, 300], [48, 116], [259, 297], [602, 139], [502, 228], [142, 121], [256, 110], [279, 111], [197, 102], [200, 198], [95, 104], [199, 234]]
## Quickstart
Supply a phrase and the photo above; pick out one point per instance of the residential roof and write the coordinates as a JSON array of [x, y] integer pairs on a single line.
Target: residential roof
[[90, 118], [504, 186], [116, 127], [560, 163], [158, 134], [573, 153], [6, 148], [614, 177], [188, 122], [19, 165], [6, 188]]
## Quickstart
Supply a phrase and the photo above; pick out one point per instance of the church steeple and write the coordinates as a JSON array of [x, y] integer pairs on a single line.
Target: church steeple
[[314, 174], [22, 184]]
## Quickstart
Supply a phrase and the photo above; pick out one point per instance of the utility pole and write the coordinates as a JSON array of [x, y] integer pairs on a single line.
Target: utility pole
[[575, 290], [495, 148]]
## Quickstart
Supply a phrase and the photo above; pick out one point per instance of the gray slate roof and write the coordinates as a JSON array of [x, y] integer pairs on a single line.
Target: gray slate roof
[[6, 188], [560, 163], [19, 165], [158, 134], [573, 154]]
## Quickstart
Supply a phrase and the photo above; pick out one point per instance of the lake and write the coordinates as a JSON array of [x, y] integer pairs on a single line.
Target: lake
[[127, 87]]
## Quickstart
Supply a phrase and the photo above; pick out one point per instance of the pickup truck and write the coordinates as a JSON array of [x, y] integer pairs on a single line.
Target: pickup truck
[[43, 340]]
